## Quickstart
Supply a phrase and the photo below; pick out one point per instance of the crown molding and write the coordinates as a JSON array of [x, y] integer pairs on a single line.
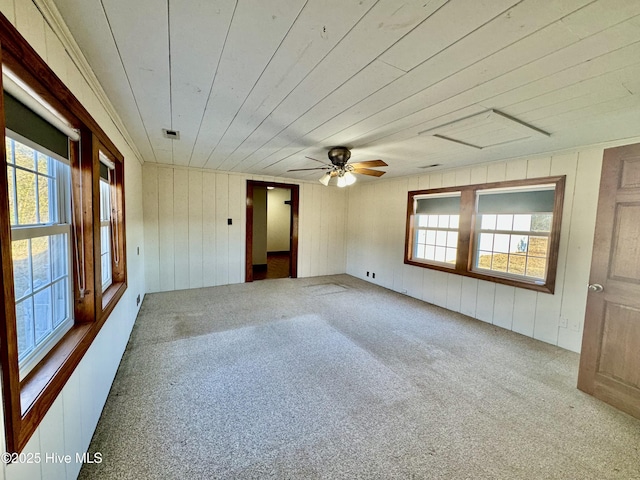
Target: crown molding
[[54, 19]]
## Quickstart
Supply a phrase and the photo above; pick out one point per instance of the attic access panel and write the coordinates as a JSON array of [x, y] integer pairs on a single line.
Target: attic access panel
[[485, 129]]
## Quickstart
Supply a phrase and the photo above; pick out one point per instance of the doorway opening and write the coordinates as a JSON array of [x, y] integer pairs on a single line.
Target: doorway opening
[[272, 230]]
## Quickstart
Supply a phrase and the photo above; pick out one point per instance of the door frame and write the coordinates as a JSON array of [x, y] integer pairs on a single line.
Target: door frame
[[293, 228]]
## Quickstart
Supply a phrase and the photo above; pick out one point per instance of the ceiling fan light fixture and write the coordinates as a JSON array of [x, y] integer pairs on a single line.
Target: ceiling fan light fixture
[[324, 179], [349, 178]]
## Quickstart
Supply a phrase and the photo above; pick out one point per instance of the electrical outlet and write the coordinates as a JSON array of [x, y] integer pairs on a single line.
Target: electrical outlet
[[367, 274], [138, 300], [229, 221], [138, 250], [374, 275]]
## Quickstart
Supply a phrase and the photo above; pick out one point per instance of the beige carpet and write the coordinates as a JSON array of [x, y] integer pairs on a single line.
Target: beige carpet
[[331, 377]]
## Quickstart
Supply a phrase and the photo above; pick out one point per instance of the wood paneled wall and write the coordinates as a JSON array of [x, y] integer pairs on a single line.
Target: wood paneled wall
[[188, 243], [376, 244]]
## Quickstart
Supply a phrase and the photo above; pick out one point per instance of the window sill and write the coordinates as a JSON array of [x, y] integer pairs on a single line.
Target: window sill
[[42, 385], [110, 297], [504, 280]]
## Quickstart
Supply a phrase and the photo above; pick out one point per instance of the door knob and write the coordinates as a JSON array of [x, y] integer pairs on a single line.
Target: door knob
[[596, 287]]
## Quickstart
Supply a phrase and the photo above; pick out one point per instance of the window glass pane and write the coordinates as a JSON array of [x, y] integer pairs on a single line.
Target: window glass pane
[[43, 163], [59, 257], [519, 243], [8, 145], [422, 220], [21, 268], [43, 199], [488, 222], [26, 189], [501, 243], [431, 237], [522, 223], [105, 240], [420, 253], [484, 260], [486, 241], [454, 221], [451, 255], [499, 262], [422, 236], [40, 257], [452, 239], [536, 267], [443, 221], [43, 318], [105, 204], [433, 221], [441, 238], [504, 222], [60, 302], [538, 246], [24, 156], [24, 326], [517, 264], [440, 255], [430, 252], [541, 222], [11, 190]]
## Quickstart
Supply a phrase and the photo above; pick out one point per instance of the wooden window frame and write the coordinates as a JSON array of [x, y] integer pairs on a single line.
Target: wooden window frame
[[467, 233], [26, 402]]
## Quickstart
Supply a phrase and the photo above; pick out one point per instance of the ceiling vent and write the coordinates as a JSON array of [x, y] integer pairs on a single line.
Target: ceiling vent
[[171, 134]]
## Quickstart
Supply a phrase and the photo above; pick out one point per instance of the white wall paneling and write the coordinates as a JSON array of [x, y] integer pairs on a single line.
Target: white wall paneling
[[166, 240], [237, 213], [181, 228], [195, 228], [556, 318], [197, 247], [209, 228]]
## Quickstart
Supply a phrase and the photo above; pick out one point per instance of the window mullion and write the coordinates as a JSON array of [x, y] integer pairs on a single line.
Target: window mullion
[[465, 230]]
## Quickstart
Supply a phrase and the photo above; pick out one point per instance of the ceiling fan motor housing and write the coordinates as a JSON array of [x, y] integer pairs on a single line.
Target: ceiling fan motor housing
[[339, 156]]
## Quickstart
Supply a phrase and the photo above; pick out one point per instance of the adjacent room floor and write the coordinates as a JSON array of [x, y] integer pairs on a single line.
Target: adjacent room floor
[[277, 267], [332, 377]]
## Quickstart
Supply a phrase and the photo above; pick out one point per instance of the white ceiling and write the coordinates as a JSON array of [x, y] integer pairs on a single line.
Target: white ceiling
[[255, 86]]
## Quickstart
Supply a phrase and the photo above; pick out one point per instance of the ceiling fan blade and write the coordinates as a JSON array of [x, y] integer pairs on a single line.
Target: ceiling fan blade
[[367, 171], [369, 163], [315, 160], [303, 169]]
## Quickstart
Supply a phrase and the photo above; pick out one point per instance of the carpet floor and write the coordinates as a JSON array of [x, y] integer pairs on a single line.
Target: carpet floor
[[332, 377]]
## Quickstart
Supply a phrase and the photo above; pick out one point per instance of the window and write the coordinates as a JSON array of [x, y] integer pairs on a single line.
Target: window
[[59, 224], [110, 186], [105, 225], [39, 212], [514, 231], [505, 232], [436, 231]]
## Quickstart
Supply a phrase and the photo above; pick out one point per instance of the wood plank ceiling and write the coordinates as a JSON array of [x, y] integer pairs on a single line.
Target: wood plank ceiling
[[254, 86]]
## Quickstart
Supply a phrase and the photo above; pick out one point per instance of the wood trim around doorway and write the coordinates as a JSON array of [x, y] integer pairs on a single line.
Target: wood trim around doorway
[[295, 204]]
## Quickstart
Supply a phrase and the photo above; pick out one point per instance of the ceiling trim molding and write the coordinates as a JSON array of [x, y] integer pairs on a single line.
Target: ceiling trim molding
[[54, 19]]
